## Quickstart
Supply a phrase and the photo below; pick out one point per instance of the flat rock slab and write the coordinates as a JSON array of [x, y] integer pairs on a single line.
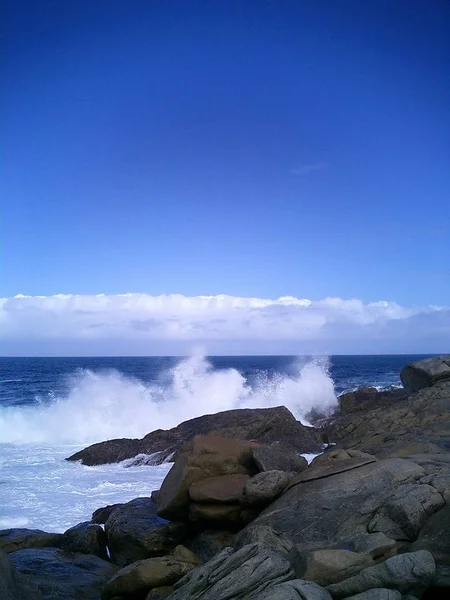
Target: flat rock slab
[[18, 539], [321, 471]]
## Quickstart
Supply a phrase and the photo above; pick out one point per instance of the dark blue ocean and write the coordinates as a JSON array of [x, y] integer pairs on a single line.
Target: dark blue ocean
[[51, 407]]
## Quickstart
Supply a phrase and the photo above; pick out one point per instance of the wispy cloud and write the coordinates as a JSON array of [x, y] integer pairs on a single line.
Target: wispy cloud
[[307, 169], [141, 323]]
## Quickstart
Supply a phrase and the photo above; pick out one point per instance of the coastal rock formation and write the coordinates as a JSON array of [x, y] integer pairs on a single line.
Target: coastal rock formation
[[264, 425], [135, 532], [425, 373], [18, 539], [85, 538]]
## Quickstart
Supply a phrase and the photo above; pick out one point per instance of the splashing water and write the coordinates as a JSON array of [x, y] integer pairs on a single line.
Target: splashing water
[[105, 405]]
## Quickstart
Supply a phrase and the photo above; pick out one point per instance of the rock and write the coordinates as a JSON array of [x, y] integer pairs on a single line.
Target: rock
[[135, 532], [243, 574], [220, 513], [376, 545], [61, 576], [224, 489], [296, 589], [12, 585], [210, 456], [435, 536], [275, 458], [85, 538], [378, 594], [325, 512], [183, 553], [17, 539], [406, 510], [425, 373], [143, 575], [159, 593], [407, 573], [101, 515], [264, 425], [365, 398], [210, 542], [263, 488], [332, 463], [325, 567], [269, 538]]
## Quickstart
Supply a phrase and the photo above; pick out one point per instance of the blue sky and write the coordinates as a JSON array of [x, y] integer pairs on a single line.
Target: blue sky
[[253, 149]]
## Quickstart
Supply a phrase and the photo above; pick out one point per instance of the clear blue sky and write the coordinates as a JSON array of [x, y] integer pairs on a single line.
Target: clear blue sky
[[252, 148]]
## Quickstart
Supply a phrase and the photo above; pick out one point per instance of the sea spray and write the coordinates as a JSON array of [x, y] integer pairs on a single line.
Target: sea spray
[[107, 404]]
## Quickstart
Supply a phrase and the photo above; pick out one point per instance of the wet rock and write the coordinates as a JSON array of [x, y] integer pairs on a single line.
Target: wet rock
[[243, 574], [18, 539], [263, 488], [407, 573], [425, 373], [101, 515], [136, 532], [276, 458], [62, 576], [223, 489], [264, 425], [14, 586], [85, 538], [143, 575]]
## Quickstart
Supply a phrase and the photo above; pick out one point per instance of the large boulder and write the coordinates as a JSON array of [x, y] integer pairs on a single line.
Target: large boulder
[[85, 538], [242, 574], [135, 532], [143, 575], [265, 425], [62, 576], [209, 456], [18, 539], [330, 511], [407, 573], [276, 458], [14, 586], [365, 398], [425, 373], [225, 489]]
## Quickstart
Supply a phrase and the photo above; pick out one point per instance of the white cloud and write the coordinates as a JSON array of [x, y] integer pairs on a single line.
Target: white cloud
[[172, 324]]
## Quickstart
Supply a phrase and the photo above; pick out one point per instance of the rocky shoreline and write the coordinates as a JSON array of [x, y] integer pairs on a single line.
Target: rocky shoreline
[[241, 515]]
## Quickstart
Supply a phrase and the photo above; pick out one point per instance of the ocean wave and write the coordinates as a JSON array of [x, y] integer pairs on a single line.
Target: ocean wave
[[105, 405]]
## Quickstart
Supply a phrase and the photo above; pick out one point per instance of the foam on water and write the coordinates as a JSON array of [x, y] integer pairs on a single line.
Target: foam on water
[[105, 405], [39, 489]]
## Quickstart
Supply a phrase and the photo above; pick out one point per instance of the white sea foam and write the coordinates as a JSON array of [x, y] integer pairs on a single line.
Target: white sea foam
[[107, 405]]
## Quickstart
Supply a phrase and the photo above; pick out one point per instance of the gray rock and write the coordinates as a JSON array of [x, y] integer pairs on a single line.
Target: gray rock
[[376, 545], [408, 573], [85, 538], [406, 511], [323, 513], [425, 373], [435, 536], [61, 576], [274, 458], [17, 539], [378, 594], [296, 589], [135, 532], [269, 538], [210, 542], [101, 515], [325, 567], [14, 586], [244, 574], [263, 488]]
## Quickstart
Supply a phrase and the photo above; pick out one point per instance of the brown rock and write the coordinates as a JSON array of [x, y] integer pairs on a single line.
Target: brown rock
[[143, 575], [265, 487], [183, 553], [210, 456], [330, 566], [215, 512], [17, 539], [159, 593], [226, 489], [276, 458]]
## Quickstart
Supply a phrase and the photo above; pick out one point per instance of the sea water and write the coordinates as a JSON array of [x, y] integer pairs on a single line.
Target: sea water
[[53, 407]]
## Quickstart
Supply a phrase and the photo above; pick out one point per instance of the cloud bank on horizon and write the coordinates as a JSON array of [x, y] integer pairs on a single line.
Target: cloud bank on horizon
[[130, 324]]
